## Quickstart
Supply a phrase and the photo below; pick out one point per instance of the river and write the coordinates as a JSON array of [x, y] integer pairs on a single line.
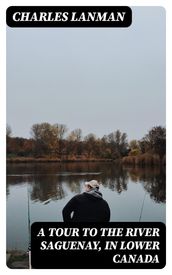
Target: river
[[38, 192]]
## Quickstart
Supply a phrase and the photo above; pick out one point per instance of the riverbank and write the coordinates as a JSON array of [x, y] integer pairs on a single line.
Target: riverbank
[[55, 160], [143, 160], [139, 160]]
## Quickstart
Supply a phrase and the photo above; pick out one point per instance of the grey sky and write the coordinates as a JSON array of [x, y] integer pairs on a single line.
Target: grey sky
[[99, 80]]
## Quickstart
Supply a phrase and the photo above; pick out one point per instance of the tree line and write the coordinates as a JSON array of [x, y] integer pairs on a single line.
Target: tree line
[[53, 141]]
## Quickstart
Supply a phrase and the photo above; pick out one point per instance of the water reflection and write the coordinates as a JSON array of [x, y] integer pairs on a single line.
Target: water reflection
[[47, 181], [45, 188], [153, 181]]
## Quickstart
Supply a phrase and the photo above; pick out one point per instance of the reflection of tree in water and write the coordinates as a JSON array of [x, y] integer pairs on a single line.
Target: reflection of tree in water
[[73, 184], [45, 188], [115, 178], [53, 168], [156, 187], [48, 180], [153, 180]]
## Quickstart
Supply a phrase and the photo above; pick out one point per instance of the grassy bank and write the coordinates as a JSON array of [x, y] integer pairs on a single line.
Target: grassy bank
[[144, 160], [52, 160]]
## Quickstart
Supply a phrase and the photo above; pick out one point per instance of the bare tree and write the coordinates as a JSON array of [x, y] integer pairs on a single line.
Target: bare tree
[[61, 129], [156, 140], [75, 135], [8, 131], [118, 144], [45, 136]]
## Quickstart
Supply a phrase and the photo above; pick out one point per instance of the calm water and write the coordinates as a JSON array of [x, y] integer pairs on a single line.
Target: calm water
[[42, 190]]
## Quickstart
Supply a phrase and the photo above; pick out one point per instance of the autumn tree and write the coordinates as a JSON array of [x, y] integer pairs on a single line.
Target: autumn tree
[[118, 144], [45, 136], [89, 144], [75, 135], [105, 148], [74, 142], [123, 145], [134, 148], [143, 146], [49, 140], [61, 130], [156, 140]]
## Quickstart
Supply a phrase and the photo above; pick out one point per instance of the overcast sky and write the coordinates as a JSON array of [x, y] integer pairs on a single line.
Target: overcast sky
[[99, 80]]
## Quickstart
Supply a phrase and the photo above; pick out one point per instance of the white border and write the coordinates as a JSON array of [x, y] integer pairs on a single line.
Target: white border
[[167, 4]]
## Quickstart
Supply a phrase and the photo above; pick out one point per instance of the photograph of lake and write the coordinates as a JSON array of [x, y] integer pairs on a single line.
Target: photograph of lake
[[42, 190]]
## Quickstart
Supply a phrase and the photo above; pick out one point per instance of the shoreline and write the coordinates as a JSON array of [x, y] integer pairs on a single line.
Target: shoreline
[[135, 161], [54, 160]]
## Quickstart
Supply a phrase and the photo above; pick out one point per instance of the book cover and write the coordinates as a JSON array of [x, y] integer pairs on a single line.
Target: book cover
[[86, 137]]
